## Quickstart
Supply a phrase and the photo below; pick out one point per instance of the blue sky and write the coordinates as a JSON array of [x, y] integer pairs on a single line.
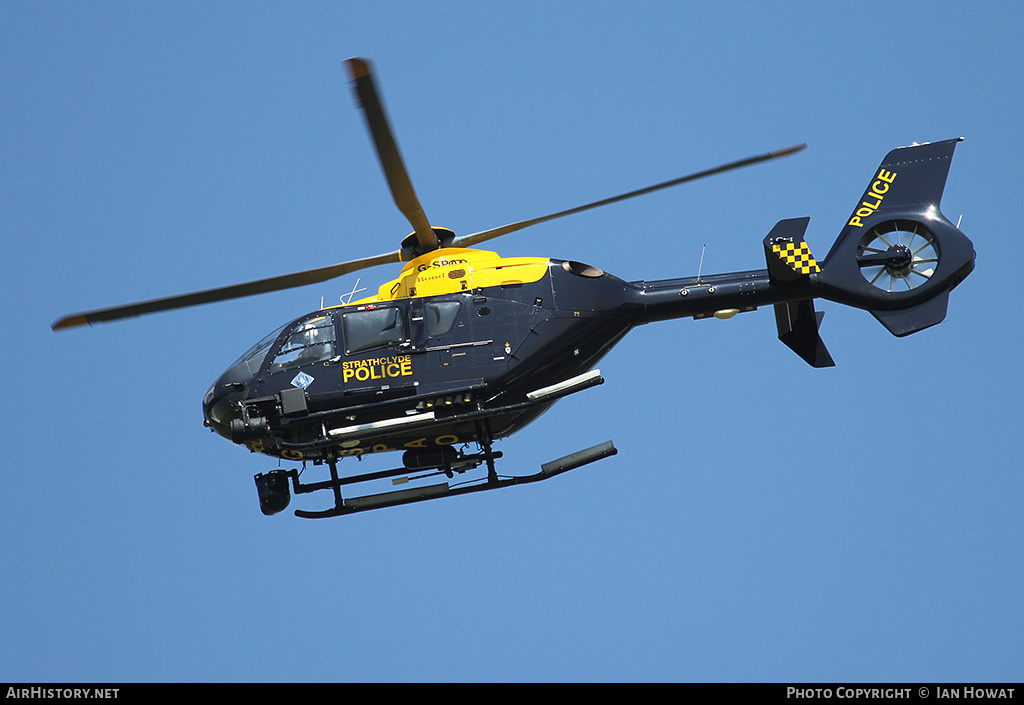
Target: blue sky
[[762, 521]]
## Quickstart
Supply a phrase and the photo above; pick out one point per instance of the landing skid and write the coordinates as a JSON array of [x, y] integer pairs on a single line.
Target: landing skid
[[273, 486]]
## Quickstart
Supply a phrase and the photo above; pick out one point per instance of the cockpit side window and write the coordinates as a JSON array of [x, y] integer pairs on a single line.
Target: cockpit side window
[[310, 342], [373, 328]]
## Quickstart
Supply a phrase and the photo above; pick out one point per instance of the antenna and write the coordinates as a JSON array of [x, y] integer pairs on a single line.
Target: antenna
[[958, 221], [347, 298], [700, 267]]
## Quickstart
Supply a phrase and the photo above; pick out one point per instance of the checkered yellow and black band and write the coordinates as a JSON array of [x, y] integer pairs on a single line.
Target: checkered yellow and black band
[[797, 256]]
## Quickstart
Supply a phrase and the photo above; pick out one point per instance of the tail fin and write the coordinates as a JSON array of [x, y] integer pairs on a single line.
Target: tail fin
[[898, 256]]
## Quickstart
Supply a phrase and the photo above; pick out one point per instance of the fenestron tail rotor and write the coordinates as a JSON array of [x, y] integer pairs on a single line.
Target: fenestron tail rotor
[[424, 238], [897, 256]]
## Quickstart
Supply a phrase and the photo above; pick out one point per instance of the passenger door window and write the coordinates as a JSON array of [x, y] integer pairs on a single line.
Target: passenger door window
[[440, 316], [373, 328]]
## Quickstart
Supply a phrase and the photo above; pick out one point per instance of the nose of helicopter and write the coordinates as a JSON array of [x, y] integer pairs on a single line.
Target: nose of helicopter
[[223, 401], [221, 404]]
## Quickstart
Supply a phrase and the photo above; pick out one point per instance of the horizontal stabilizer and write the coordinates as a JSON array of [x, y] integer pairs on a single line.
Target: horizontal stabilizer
[[798, 324]]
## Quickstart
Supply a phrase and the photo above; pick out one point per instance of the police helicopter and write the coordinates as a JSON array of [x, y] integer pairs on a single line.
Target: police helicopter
[[466, 347]]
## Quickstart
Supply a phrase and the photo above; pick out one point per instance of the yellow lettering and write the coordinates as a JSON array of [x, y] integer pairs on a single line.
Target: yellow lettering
[[377, 368], [878, 189]]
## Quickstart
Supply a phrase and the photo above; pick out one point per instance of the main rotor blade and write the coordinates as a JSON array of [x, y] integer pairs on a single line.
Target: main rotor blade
[[475, 238], [388, 154], [235, 291]]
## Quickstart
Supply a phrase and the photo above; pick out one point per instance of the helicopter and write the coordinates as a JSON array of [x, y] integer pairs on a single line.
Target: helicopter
[[466, 347]]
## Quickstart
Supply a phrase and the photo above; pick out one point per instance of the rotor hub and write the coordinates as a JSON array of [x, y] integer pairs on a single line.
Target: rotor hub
[[901, 261]]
